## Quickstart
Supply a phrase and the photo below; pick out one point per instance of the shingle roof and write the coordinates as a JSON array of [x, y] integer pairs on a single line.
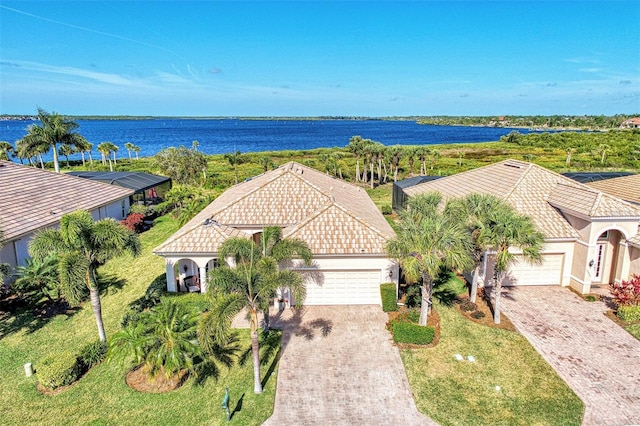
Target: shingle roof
[[205, 239], [332, 216], [535, 191], [626, 187], [32, 198]]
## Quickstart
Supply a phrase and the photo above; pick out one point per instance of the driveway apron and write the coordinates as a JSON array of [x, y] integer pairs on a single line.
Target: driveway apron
[[338, 367], [598, 359]]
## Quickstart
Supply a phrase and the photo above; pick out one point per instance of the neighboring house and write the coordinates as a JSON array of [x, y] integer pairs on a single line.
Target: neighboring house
[[32, 199], [632, 123], [624, 187], [398, 199], [591, 237], [148, 188], [342, 226]]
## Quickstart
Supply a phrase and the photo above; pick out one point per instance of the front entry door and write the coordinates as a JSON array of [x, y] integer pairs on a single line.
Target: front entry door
[[599, 262]]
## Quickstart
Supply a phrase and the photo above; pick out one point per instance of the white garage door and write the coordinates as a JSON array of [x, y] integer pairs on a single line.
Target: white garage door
[[345, 288], [547, 273]]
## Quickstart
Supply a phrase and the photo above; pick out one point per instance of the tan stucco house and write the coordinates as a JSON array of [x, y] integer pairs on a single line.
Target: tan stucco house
[[591, 236], [344, 229], [32, 199]]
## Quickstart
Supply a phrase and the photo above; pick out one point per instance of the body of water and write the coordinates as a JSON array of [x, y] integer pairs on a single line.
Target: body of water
[[219, 136]]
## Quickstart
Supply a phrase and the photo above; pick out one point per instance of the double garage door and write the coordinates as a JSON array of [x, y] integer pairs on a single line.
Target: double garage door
[[343, 287], [549, 272]]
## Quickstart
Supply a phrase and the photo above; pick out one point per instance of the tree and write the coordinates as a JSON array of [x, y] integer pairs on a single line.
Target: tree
[[81, 246], [66, 150], [509, 229], [164, 339], [234, 159], [428, 241], [129, 146], [105, 150], [40, 278], [83, 146], [5, 149], [54, 130], [395, 153], [410, 152], [195, 145], [266, 162], [136, 149], [476, 211], [570, 152], [181, 164], [248, 285], [355, 147]]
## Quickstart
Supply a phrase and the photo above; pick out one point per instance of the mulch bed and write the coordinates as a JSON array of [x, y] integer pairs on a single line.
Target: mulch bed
[[482, 305], [139, 379], [433, 320]]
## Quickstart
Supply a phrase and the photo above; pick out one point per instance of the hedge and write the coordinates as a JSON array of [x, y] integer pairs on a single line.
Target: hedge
[[629, 313], [406, 332], [389, 300], [58, 369]]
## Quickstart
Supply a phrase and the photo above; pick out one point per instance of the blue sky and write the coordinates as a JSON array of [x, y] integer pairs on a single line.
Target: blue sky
[[312, 58]]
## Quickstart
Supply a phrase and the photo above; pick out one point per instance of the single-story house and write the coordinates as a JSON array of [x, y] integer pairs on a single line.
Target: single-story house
[[147, 188], [591, 237], [632, 123], [398, 198], [342, 226], [32, 199]]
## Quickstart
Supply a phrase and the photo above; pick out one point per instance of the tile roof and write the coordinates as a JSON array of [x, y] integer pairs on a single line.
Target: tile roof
[[32, 198], [626, 187], [635, 240], [205, 239], [332, 216], [535, 191]]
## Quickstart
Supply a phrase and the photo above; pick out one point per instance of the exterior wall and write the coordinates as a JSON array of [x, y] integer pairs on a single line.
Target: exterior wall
[[388, 268], [634, 264]]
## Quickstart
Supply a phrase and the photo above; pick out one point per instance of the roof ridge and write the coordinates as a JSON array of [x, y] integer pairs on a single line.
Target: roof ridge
[[218, 227], [529, 167]]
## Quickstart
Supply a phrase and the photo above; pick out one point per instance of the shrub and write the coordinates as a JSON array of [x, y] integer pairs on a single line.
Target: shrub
[[139, 209], [629, 313], [413, 315], [92, 354], [626, 293], [590, 298], [386, 209], [133, 222], [477, 315], [58, 369], [406, 332], [414, 296], [388, 293], [468, 306]]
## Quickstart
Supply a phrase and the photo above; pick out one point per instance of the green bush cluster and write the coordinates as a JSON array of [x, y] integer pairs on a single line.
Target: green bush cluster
[[91, 354], [477, 315], [58, 369], [468, 306], [386, 209], [629, 313], [388, 293], [407, 332]]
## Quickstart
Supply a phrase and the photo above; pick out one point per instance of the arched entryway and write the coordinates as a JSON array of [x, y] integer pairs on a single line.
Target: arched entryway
[[189, 274]]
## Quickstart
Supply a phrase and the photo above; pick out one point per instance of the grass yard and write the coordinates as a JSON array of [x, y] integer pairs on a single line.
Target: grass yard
[[102, 397], [634, 330], [463, 393]]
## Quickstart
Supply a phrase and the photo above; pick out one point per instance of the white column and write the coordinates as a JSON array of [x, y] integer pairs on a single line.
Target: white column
[[171, 276], [203, 279]]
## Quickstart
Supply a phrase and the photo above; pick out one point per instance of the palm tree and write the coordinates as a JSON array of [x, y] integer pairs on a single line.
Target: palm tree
[[83, 146], [83, 245], [66, 150], [476, 212], [114, 150], [428, 241], [355, 147], [509, 229], [570, 152], [129, 146], [195, 145], [40, 278], [234, 159], [266, 162], [5, 149], [410, 152], [106, 148], [163, 339], [422, 152], [249, 285], [136, 149], [54, 130]]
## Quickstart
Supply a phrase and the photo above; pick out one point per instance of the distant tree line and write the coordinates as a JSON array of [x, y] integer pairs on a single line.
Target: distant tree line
[[592, 122]]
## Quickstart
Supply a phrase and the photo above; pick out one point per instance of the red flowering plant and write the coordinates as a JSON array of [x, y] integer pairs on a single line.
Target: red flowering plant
[[626, 293], [133, 222]]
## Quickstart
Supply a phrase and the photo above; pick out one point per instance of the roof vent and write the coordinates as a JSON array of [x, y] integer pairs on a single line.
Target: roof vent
[[513, 164], [209, 222]]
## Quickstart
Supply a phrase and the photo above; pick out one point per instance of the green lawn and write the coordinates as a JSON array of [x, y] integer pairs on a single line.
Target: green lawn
[[102, 397], [463, 393]]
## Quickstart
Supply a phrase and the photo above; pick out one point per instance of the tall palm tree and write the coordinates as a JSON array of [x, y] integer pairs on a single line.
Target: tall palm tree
[[136, 149], [234, 159], [509, 229], [106, 148], [266, 162], [83, 146], [410, 152], [355, 147], [66, 150], [395, 152], [54, 130], [129, 146], [249, 285], [476, 211], [83, 245], [426, 242]]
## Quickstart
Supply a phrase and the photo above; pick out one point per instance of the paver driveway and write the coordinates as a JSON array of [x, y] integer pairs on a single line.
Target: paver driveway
[[338, 367], [599, 360]]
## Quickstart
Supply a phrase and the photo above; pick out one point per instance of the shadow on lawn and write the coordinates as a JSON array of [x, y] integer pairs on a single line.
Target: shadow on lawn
[[17, 314]]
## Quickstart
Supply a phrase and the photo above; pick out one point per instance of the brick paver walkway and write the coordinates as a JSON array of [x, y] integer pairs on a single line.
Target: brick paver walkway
[[338, 367], [599, 360]]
